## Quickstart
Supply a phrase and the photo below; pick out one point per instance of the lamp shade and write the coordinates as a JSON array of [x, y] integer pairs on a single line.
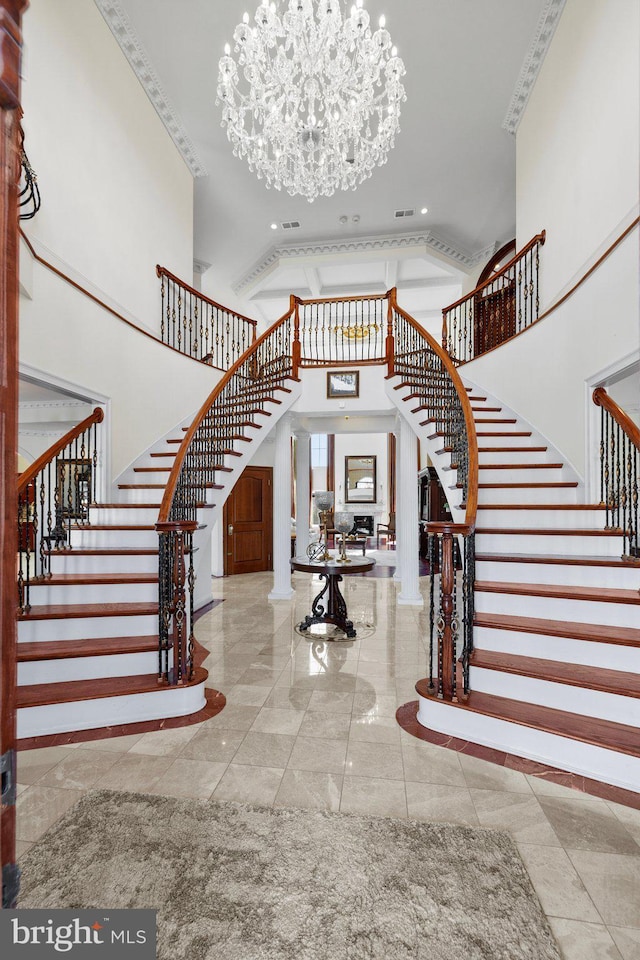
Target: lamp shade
[[343, 522], [324, 499]]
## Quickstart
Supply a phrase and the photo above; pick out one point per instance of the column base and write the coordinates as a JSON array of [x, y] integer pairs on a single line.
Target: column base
[[410, 600], [281, 595]]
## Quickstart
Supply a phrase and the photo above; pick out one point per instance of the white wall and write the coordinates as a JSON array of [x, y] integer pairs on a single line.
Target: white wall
[[117, 197], [542, 373], [150, 386], [577, 143]]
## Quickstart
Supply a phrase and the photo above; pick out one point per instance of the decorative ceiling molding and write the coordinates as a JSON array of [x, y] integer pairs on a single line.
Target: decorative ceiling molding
[[121, 28], [200, 266], [532, 63], [461, 259]]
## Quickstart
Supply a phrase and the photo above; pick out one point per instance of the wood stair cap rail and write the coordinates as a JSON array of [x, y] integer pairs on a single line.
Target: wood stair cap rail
[[602, 399], [34, 469]]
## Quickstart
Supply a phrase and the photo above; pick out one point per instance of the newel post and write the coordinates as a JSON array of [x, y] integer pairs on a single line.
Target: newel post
[[296, 347], [175, 610], [445, 623], [390, 348]]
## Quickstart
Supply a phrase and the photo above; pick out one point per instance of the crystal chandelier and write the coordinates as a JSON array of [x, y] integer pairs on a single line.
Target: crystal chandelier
[[313, 101]]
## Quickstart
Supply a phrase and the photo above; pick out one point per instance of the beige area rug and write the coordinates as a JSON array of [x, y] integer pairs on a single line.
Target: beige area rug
[[247, 883]]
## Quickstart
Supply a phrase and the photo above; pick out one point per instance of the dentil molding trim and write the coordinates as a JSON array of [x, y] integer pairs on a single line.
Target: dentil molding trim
[[121, 28], [532, 63], [322, 248]]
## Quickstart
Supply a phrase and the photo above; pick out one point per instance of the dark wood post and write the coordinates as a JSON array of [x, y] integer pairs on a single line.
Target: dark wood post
[[10, 49], [296, 349], [447, 574], [390, 348]]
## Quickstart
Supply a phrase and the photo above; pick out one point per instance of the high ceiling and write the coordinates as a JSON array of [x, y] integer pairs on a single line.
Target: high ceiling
[[463, 60]]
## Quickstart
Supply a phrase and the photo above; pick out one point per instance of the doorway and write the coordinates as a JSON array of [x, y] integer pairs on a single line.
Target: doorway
[[248, 523]]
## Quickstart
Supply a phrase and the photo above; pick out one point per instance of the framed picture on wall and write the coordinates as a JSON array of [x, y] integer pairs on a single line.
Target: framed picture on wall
[[343, 383]]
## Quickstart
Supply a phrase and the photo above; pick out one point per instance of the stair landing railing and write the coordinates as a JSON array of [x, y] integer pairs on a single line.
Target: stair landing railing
[[200, 327], [619, 470], [54, 495], [316, 333], [498, 309]]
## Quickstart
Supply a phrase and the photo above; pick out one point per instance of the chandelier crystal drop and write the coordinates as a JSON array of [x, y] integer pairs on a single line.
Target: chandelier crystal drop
[[312, 101]]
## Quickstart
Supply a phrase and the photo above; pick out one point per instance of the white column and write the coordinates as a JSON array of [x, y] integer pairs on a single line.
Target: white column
[[282, 589], [303, 462], [407, 506]]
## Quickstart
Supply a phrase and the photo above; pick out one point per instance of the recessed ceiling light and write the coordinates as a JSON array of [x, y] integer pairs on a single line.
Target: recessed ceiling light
[[424, 210], [274, 226], [343, 218]]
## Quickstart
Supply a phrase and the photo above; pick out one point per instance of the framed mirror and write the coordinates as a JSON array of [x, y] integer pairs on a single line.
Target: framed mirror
[[360, 479]]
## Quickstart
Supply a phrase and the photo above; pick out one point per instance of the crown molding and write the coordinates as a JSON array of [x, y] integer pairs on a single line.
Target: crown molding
[[533, 61], [118, 22], [46, 404], [458, 257]]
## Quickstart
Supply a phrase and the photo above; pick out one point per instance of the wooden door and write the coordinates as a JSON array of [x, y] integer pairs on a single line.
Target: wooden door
[[248, 523]]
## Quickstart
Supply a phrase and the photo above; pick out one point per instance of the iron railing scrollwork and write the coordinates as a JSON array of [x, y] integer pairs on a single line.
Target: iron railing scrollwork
[[54, 496], [28, 191], [498, 309], [319, 333], [436, 389], [200, 327], [229, 414], [619, 469]]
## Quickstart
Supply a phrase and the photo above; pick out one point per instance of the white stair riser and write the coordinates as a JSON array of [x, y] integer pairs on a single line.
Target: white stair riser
[[533, 543], [559, 696], [543, 519], [590, 761], [504, 494], [110, 711], [78, 628], [124, 515], [92, 539], [42, 593], [552, 573], [87, 668], [510, 456], [609, 656], [556, 608], [523, 475], [138, 496], [101, 563]]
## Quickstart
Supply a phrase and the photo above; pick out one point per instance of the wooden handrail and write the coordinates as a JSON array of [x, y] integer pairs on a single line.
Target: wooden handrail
[[354, 299], [34, 469], [172, 483], [472, 488], [539, 238], [163, 272], [602, 399]]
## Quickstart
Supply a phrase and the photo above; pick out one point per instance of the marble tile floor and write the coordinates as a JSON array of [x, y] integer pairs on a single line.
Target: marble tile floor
[[312, 724]]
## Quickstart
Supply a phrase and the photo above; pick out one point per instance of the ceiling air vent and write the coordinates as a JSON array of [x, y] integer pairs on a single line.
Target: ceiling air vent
[[403, 213], [290, 225]]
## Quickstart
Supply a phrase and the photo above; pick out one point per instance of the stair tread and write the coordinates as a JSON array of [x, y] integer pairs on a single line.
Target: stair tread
[[503, 433], [564, 484], [68, 611], [587, 560], [578, 675], [559, 591], [520, 466], [69, 649], [604, 633], [601, 733], [126, 505], [80, 579], [512, 449], [541, 506], [73, 690], [552, 531]]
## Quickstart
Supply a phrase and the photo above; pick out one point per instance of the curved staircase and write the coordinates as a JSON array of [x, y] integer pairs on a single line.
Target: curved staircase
[[88, 646], [555, 669]]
